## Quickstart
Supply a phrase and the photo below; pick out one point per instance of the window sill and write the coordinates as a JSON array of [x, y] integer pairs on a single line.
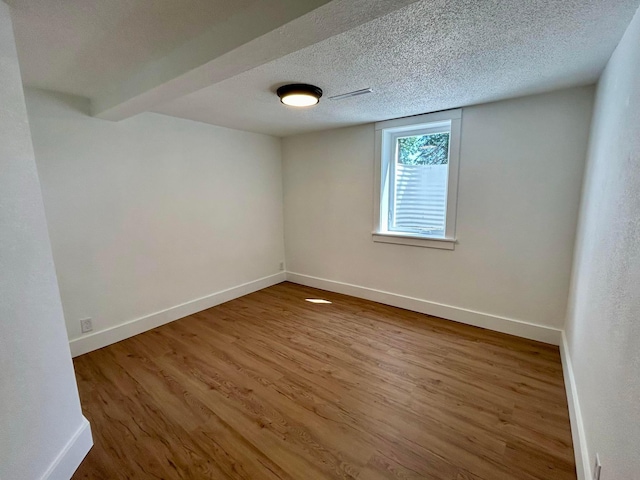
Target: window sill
[[414, 240]]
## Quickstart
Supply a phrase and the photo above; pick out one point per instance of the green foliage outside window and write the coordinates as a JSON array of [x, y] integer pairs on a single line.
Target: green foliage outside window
[[424, 149]]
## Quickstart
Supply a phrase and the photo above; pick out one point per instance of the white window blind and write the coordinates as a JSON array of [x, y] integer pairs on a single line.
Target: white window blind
[[420, 199]]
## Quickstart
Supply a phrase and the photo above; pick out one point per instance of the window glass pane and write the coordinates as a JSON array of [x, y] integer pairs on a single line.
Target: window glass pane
[[430, 149], [420, 181]]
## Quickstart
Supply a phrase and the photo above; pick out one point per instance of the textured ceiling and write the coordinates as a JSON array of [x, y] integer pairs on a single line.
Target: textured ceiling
[[83, 46], [220, 61], [428, 56]]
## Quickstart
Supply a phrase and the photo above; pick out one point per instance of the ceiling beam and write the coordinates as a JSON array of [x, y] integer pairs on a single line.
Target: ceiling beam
[[265, 32]]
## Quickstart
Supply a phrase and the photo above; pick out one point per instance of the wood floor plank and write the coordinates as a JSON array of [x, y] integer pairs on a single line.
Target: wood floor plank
[[270, 386]]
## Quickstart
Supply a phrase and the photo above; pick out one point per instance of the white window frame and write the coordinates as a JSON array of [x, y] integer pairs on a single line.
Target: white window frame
[[386, 132]]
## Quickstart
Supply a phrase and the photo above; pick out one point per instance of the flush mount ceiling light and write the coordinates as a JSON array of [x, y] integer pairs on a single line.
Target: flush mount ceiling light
[[299, 95]]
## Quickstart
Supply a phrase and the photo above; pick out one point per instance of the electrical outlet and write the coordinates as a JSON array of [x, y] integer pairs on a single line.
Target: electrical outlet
[[597, 468], [281, 266], [86, 325]]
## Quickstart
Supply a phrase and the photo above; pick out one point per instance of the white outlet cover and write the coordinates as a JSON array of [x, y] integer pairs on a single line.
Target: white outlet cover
[[86, 325]]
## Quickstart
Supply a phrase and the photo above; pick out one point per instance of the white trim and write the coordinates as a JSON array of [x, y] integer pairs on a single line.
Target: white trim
[[377, 182], [102, 338], [69, 459], [414, 240], [581, 452], [424, 118], [510, 326], [455, 140]]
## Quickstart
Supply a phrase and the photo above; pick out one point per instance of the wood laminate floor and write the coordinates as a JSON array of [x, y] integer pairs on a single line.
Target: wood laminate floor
[[270, 386]]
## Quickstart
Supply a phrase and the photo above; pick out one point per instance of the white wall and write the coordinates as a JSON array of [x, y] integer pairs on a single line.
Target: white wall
[[520, 177], [603, 325], [154, 211], [39, 408]]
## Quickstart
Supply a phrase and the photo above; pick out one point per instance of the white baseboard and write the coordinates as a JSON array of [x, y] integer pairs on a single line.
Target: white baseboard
[[102, 338], [72, 455], [583, 463], [469, 317]]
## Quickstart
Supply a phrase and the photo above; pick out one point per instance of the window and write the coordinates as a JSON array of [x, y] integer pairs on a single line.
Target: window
[[417, 180]]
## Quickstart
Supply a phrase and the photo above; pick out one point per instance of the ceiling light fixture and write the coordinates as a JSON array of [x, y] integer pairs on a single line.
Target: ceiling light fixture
[[299, 95]]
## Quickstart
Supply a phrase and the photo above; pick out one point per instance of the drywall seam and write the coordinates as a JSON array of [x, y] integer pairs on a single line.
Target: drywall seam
[[94, 341], [69, 459], [583, 466], [470, 317]]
